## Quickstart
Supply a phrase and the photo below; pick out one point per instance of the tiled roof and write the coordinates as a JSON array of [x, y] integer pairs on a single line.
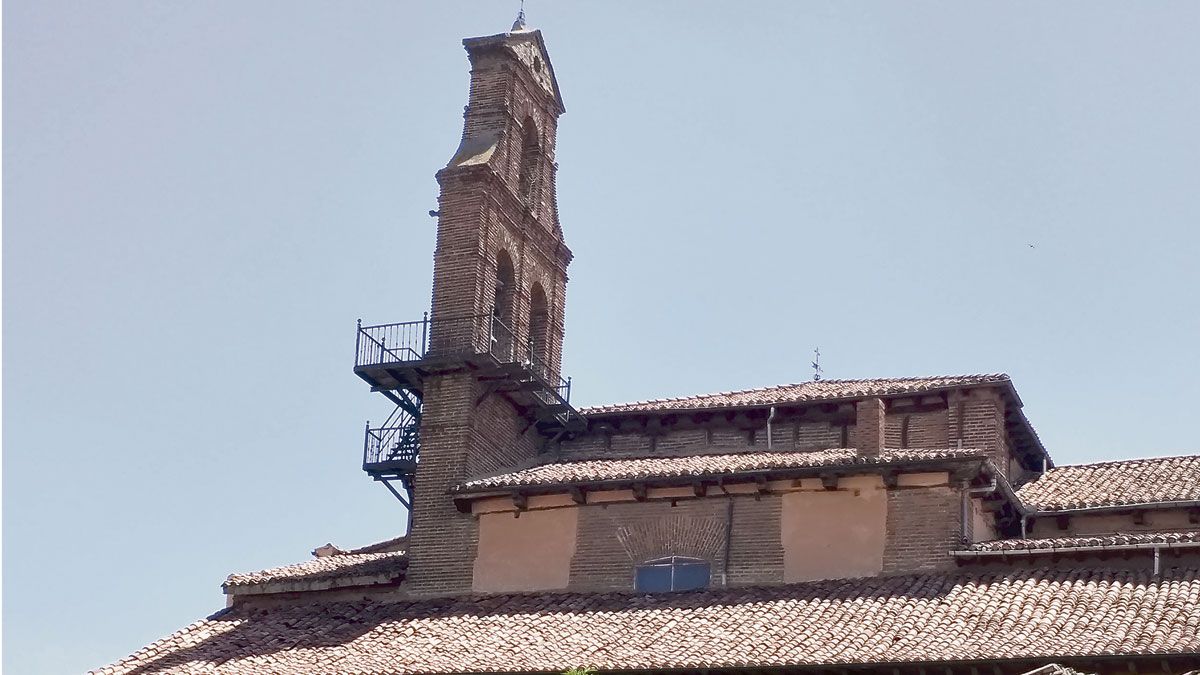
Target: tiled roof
[[803, 392], [1122, 483], [386, 546], [346, 569], [1118, 539], [697, 466], [1033, 614]]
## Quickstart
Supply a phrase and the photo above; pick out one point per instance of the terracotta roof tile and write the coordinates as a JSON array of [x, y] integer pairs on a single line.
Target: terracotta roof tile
[[386, 546], [803, 391], [1121, 483], [691, 466], [1117, 539], [335, 570], [1032, 614]]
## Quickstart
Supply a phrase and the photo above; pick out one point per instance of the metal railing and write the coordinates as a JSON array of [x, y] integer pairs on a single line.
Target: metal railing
[[456, 336], [542, 370], [391, 343], [398, 440]]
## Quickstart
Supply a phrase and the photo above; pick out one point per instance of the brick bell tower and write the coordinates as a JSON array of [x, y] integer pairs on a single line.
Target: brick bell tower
[[477, 384]]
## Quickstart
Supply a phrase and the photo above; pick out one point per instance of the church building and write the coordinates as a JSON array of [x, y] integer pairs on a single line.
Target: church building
[[911, 525]]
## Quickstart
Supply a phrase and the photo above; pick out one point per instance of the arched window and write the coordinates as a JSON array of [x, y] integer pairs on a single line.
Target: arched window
[[672, 573], [503, 308], [531, 153], [904, 424], [539, 329]]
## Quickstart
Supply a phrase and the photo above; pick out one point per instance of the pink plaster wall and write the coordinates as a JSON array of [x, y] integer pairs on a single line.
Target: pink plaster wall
[[529, 553], [835, 534]]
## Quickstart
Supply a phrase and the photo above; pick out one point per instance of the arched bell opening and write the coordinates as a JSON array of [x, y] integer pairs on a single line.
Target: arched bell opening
[[504, 308], [539, 331], [531, 153]]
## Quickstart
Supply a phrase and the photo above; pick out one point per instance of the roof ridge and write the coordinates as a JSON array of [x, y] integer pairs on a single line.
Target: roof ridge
[[374, 548], [998, 377], [1131, 460], [313, 567], [703, 466], [909, 579], [609, 455]]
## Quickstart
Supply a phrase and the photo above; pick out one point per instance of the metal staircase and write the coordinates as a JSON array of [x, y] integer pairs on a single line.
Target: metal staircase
[[395, 359]]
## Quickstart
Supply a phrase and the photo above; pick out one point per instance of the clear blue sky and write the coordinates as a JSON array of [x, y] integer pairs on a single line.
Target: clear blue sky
[[201, 197]]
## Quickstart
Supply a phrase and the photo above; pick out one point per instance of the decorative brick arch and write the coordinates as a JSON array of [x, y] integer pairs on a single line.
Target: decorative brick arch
[[682, 535]]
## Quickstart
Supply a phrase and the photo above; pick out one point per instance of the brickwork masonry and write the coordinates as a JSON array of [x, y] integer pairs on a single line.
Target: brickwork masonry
[[923, 526], [497, 199], [614, 538]]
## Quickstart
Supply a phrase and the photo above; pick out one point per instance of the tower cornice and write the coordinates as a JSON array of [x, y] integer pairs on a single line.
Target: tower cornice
[[524, 46]]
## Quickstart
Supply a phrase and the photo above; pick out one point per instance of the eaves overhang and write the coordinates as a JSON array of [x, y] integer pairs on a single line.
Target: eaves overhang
[[968, 469]]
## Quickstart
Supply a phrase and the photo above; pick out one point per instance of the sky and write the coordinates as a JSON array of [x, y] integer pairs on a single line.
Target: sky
[[200, 198]]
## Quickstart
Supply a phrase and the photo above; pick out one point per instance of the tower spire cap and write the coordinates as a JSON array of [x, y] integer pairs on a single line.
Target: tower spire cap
[[519, 24]]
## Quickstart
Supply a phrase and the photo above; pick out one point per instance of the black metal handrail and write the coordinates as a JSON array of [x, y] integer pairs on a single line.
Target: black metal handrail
[[541, 369], [455, 336], [391, 343], [386, 444]]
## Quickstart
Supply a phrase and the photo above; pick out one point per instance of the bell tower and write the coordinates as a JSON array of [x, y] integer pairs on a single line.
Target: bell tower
[[500, 249], [477, 382]]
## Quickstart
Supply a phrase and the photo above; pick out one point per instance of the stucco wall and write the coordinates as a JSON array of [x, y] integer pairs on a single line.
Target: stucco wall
[[528, 553], [796, 530], [830, 534], [983, 523]]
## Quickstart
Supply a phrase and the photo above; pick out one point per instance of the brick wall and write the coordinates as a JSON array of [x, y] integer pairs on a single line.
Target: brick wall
[[459, 439], [442, 541], [910, 528], [929, 429], [614, 538], [756, 549], [483, 211], [1157, 520], [976, 416], [869, 426], [983, 427], [497, 440], [787, 435], [922, 528]]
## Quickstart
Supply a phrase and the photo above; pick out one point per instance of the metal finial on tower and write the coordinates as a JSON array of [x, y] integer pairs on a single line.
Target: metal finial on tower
[[519, 24], [816, 364]]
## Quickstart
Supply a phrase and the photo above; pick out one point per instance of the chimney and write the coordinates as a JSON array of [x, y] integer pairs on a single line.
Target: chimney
[[326, 551], [869, 426]]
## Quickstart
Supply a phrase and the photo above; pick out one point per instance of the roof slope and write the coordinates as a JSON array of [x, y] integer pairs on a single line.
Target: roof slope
[[1090, 541], [1033, 614], [336, 570], [820, 390], [1121, 483], [701, 466]]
